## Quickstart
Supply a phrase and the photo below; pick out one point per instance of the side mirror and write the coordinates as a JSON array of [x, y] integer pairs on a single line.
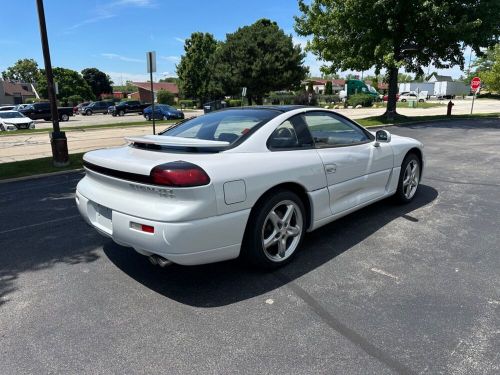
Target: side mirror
[[382, 136]]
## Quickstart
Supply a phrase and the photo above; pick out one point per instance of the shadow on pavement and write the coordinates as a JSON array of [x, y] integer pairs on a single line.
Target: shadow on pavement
[[225, 283]]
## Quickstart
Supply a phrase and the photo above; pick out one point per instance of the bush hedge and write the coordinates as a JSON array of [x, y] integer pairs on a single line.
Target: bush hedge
[[360, 99], [234, 102]]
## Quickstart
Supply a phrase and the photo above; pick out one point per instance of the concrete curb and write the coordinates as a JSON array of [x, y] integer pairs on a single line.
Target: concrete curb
[[33, 177]]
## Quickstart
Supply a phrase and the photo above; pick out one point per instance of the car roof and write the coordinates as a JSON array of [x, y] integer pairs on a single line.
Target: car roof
[[281, 108]]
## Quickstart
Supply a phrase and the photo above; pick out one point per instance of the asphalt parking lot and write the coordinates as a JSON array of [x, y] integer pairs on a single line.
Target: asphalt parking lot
[[388, 289]]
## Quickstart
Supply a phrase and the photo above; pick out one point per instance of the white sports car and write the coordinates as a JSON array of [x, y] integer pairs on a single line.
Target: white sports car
[[243, 182]]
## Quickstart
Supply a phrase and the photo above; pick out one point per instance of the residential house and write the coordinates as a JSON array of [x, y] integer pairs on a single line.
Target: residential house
[[438, 78], [144, 90], [15, 92]]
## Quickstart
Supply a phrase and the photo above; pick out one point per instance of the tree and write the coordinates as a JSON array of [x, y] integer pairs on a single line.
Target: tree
[[403, 78], [195, 70], [24, 70], [99, 82], [69, 83], [165, 97], [260, 57], [407, 35], [170, 80], [488, 69], [328, 88]]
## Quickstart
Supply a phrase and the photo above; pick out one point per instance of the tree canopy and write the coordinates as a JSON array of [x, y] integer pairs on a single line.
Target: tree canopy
[[196, 68], [260, 57], [24, 70], [392, 34], [165, 97], [99, 82], [69, 82], [488, 69]]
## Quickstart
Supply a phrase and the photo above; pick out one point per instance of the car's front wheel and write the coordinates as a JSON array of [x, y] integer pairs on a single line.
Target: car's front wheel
[[88, 112], [409, 178], [165, 117], [275, 230], [64, 117], [147, 117]]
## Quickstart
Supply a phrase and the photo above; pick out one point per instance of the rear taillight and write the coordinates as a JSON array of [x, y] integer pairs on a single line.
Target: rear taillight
[[179, 174]]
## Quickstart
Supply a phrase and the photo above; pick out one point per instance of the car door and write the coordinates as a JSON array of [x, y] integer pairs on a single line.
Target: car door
[[357, 171]]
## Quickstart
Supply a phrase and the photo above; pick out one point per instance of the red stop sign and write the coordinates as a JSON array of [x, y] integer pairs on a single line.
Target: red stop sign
[[475, 83]]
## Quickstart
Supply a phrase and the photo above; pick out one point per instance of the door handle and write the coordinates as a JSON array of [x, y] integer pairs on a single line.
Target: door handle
[[330, 168]]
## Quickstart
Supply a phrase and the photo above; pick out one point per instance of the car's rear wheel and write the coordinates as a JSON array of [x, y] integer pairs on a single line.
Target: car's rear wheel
[[165, 117], [409, 178], [121, 113], [275, 230], [64, 117], [403, 100], [148, 117]]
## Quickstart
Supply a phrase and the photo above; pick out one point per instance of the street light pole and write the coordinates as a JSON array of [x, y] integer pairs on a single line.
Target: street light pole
[[58, 139]]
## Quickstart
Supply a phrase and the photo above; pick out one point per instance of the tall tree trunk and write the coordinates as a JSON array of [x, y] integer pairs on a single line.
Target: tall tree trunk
[[393, 90]]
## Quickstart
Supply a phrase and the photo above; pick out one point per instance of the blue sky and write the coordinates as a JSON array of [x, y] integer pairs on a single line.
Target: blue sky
[[113, 35]]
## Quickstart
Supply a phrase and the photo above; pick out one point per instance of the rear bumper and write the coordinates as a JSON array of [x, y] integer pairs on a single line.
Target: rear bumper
[[192, 242]]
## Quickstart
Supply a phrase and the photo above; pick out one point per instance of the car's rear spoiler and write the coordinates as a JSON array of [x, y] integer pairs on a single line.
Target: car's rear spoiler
[[163, 140]]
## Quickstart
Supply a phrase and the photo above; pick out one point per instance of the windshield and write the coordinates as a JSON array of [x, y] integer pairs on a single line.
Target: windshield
[[228, 125], [10, 115]]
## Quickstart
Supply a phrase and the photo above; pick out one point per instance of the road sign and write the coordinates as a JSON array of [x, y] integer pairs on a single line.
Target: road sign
[[151, 61], [475, 83], [244, 92]]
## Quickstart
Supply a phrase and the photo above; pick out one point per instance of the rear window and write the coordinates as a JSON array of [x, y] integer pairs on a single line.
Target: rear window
[[228, 125]]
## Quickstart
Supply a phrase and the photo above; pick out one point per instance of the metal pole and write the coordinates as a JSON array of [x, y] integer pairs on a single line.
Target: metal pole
[[473, 97], [152, 93], [57, 137]]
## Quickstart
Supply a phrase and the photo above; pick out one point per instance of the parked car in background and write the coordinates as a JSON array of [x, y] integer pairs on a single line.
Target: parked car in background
[[7, 108], [95, 107], [20, 106], [413, 96], [38, 111], [243, 182], [386, 96], [76, 108], [128, 106], [14, 120], [163, 112]]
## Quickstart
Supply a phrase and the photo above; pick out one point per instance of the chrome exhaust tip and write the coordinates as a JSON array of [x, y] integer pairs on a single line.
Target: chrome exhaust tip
[[157, 260]]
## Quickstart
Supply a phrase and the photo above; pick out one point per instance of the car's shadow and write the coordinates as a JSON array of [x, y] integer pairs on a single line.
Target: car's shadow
[[224, 283]]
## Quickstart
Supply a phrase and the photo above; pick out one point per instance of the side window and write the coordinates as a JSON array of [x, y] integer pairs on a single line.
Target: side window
[[329, 130], [291, 134]]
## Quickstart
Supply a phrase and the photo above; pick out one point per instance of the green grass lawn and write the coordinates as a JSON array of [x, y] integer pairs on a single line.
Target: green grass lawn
[[382, 120], [159, 123], [37, 166]]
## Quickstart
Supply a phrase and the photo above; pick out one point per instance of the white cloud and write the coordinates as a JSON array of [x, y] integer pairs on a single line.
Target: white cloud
[[120, 78], [173, 59], [114, 56]]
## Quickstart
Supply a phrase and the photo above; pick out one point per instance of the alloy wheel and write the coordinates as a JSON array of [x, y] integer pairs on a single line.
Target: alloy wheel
[[282, 231], [411, 178]]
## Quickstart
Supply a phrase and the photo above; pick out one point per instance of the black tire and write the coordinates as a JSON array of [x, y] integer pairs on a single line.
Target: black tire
[[165, 117], [253, 250], [64, 117], [421, 100], [121, 113], [401, 195], [88, 112], [113, 114], [403, 100], [147, 117], [46, 119]]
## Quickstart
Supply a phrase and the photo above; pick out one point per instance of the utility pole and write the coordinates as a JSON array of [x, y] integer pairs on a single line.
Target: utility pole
[[58, 139]]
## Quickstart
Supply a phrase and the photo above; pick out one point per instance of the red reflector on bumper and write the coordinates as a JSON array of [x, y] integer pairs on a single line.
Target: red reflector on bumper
[[142, 227]]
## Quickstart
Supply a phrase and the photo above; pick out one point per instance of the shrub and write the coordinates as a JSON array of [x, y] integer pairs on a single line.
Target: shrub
[[304, 99], [74, 100], [329, 88], [360, 99], [234, 102], [165, 97], [329, 98], [187, 103]]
